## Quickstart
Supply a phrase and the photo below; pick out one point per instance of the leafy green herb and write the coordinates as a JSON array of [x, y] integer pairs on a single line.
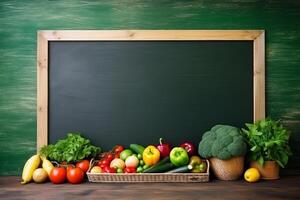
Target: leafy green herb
[[268, 141], [71, 149]]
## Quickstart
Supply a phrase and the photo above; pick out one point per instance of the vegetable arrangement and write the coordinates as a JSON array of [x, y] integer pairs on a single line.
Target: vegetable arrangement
[[152, 159], [69, 159], [68, 154]]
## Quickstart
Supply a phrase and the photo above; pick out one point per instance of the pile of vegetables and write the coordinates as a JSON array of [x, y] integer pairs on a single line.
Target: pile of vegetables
[[152, 159], [39, 169], [71, 149], [72, 157], [68, 154], [267, 139]]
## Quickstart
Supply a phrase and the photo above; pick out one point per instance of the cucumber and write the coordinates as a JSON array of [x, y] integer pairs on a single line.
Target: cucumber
[[139, 149], [162, 162], [160, 168], [183, 169]]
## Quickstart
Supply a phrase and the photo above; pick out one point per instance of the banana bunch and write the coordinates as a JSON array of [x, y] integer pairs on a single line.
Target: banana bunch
[[32, 164]]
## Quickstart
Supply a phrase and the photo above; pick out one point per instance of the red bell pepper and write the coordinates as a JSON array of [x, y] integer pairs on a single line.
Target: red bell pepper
[[164, 148], [189, 147]]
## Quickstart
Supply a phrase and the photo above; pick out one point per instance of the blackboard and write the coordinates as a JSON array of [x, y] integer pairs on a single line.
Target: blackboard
[[117, 92], [122, 92]]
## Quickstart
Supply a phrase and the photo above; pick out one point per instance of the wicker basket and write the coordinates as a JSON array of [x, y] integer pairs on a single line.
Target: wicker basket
[[228, 170], [149, 177]]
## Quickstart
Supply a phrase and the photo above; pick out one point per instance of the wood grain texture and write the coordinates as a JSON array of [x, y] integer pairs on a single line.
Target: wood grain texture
[[95, 35], [259, 77], [285, 188], [21, 20], [42, 91]]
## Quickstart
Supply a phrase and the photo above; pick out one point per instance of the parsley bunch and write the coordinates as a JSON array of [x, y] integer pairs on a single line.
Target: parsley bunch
[[268, 140], [71, 149]]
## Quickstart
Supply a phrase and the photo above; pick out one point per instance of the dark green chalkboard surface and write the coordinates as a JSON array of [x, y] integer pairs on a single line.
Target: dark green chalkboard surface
[[122, 92]]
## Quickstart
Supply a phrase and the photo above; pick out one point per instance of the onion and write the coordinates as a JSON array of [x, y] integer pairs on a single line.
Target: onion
[[132, 161], [117, 163]]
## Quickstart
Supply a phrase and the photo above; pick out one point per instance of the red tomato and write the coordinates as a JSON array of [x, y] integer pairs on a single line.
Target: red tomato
[[109, 157], [102, 163], [130, 170], [70, 166], [105, 162], [84, 165], [58, 175], [75, 175], [118, 149], [102, 166], [117, 155], [108, 169]]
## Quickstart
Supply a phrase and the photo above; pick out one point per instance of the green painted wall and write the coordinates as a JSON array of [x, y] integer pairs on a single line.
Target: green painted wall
[[19, 21]]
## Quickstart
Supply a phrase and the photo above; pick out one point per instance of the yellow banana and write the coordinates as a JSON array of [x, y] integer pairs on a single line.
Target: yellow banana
[[31, 165], [47, 165]]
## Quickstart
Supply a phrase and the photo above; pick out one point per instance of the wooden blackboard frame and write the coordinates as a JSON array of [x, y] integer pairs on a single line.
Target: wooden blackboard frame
[[45, 36]]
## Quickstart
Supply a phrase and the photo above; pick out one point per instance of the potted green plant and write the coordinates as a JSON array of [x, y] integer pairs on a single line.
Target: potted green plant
[[269, 147], [225, 148]]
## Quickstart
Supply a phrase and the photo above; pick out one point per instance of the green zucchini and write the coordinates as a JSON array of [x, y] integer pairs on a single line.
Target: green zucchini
[[183, 169], [139, 149], [160, 168], [162, 162]]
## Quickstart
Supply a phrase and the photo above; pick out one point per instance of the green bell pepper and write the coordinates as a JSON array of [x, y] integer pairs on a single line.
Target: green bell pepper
[[179, 156]]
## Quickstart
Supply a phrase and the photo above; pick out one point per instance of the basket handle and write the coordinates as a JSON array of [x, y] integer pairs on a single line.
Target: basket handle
[[207, 161], [92, 162]]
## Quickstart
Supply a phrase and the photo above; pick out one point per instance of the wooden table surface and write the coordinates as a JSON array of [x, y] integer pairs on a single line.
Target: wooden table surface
[[286, 188]]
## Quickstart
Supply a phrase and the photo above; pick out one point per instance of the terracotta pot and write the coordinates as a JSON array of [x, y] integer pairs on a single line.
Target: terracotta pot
[[270, 170], [228, 170]]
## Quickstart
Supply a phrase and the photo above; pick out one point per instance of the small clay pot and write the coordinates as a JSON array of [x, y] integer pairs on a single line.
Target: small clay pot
[[269, 171], [228, 170]]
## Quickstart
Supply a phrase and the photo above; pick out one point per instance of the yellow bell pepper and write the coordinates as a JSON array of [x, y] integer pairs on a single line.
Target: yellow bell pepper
[[151, 155]]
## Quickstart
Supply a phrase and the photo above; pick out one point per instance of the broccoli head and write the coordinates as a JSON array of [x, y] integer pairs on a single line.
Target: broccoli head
[[223, 142]]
